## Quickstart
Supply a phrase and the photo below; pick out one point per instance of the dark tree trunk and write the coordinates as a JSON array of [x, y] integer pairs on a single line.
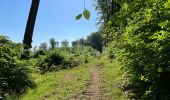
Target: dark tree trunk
[[30, 28]]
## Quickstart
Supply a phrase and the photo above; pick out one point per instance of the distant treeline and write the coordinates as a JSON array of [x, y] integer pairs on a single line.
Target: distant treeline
[[94, 40]]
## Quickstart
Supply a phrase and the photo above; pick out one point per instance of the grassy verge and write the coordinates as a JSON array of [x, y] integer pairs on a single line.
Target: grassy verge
[[111, 80], [58, 85]]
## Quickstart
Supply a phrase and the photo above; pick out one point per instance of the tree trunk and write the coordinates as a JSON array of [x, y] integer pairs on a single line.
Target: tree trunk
[[30, 28]]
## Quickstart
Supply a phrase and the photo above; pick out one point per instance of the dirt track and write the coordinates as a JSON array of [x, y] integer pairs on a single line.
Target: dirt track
[[93, 88]]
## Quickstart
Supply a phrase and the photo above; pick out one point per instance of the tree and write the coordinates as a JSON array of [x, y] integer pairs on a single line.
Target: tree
[[53, 43], [31, 23], [43, 46], [57, 44], [30, 27], [82, 41], [74, 43], [107, 8], [139, 35], [35, 49], [65, 43], [96, 41]]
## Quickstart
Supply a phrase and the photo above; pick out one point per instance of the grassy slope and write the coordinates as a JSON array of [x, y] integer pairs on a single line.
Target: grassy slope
[[111, 80], [58, 85]]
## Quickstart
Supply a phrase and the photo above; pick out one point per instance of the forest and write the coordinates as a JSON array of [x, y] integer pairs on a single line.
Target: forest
[[127, 58]]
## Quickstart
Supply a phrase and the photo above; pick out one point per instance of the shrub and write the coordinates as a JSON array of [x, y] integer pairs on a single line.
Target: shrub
[[14, 75], [39, 53], [57, 59], [84, 53], [51, 61], [146, 50], [142, 44]]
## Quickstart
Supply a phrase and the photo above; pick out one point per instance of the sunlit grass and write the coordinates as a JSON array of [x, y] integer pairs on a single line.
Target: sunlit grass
[[58, 85], [111, 80], [65, 84]]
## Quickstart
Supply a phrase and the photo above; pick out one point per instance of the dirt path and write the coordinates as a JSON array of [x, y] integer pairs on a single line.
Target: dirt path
[[93, 90]]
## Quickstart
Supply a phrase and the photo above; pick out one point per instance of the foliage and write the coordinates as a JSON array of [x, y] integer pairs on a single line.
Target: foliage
[[86, 13], [65, 44], [95, 40], [55, 60], [147, 49], [84, 53], [53, 43], [39, 53], [107, 8], [78, 16], [43, 46], [139, 38], [14, 75]]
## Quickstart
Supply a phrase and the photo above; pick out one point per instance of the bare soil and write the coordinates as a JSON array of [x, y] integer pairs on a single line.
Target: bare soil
[[93, 89]]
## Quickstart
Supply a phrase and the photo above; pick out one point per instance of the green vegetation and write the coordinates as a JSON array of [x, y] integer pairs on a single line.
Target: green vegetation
[[46, 73], [14, 73], [137, 33], [94, 40], [58, 85], [131, 49], [111, 79]]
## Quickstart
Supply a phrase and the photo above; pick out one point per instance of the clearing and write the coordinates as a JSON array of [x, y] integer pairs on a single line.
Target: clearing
[[91, 81]]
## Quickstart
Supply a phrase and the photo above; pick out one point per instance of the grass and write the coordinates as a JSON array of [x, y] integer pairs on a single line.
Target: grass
[[58, 85], [65, 84], [111, 80]]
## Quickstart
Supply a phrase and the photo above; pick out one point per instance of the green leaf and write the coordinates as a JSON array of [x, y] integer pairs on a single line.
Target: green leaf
[[160, 70], [125, 6], [78, 16], [86, 14]]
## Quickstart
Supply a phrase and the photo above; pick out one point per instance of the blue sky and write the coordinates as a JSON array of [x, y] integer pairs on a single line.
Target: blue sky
[[55, 19]]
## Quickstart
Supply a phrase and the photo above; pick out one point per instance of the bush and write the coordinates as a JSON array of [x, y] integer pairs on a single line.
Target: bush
[[146, 50], [84, 53], [51, 61], [142, 44], [14, 75], [39, 53], [56, 60]]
